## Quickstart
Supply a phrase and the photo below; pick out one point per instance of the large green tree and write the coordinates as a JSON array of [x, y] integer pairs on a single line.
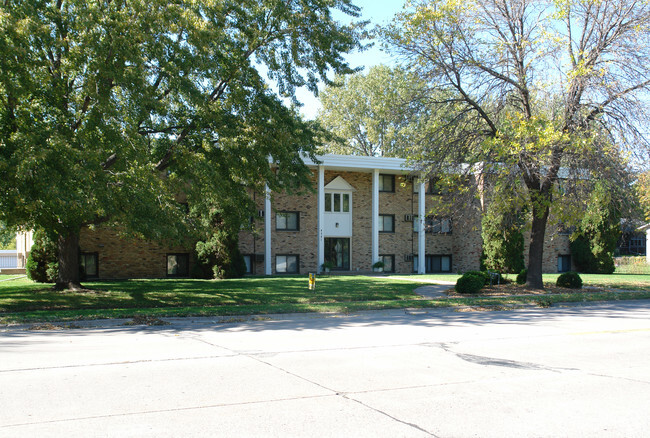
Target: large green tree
[[374, 114], [540, 91], [7, 237], [111, 109]]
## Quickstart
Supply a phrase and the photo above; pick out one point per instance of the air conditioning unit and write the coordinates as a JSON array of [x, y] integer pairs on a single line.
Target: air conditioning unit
[[408, 258], [408, 218], [260, 213]]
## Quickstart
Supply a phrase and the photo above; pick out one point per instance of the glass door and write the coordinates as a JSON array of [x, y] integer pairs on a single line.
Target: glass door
[[337, 251]]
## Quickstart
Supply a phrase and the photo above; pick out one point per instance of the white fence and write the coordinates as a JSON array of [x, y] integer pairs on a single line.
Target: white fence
[[8, 259]]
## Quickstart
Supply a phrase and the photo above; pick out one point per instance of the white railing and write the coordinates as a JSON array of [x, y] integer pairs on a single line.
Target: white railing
[[8, 259]]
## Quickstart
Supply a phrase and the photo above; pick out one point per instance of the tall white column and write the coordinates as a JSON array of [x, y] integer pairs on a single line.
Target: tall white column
[[375, 216], [321, 218], [267, 232], [421, 234]]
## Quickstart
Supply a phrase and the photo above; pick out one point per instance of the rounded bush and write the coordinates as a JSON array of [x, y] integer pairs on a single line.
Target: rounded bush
[[522, 276], [569, 280], [469, 283], [481, 274]]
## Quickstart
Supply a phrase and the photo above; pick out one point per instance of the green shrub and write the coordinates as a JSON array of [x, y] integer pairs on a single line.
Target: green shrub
[[42, 264], [569, 280], [484, 275], [590, 261], [220, 255], [522, 277], [470, 283]]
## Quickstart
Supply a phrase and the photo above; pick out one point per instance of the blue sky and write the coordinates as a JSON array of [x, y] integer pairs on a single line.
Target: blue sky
[[378, 12]]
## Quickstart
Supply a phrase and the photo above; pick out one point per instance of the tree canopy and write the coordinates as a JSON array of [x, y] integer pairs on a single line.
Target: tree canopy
[[374, 114], [110, 110], [537, 91], [643, 193]]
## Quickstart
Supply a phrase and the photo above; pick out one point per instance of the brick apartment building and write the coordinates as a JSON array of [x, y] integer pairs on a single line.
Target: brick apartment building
[[363, 210]]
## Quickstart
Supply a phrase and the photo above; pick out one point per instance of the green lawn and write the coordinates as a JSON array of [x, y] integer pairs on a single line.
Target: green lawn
[[616, 280], [24, 301]]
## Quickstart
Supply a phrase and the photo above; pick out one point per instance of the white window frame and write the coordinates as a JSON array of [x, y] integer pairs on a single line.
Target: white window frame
[[329, 198]]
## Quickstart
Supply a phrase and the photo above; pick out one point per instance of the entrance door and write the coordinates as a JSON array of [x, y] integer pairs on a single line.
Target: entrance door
[[337, 251]]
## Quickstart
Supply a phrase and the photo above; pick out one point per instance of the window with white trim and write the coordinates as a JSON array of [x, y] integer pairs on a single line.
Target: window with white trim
[[337, 202]]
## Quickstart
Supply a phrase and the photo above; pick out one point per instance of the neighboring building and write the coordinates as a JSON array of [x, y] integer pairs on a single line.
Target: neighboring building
[[362, 210], [633, 239], [646, 228], [24, 242]]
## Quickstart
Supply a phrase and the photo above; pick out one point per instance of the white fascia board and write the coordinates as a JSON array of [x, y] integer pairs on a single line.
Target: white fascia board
[[355, 162], [400, 166], [645, 227]]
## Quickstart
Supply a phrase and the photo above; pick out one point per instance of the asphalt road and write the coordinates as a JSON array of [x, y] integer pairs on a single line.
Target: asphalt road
[[574, 372]]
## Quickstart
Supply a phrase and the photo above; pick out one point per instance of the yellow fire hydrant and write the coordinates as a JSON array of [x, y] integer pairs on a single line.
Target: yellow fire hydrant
[[312, 281]]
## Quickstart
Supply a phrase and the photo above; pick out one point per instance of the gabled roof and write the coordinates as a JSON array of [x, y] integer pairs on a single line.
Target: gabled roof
[[339, 183]]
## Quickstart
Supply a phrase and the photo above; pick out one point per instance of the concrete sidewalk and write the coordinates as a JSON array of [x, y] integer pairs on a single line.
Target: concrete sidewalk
[[432, 291]]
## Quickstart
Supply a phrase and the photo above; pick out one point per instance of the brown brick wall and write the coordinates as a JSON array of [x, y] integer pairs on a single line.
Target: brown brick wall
[[133, 258], [463, 244], [120, 257], [555, 245], [303, 242]]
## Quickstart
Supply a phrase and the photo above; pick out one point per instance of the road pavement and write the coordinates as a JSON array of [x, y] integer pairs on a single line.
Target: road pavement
[[574, 372]]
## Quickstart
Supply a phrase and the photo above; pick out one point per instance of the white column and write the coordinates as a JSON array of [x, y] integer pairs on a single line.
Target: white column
[[421, 234], [375, 216], [267, 232], [321, 218]]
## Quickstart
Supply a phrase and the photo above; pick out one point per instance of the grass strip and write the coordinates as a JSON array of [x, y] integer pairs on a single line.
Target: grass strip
[[341, 307]]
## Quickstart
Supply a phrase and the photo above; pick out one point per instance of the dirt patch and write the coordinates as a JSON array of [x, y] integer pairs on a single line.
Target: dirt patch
[[146, 320], [49, 326], [483, 308]]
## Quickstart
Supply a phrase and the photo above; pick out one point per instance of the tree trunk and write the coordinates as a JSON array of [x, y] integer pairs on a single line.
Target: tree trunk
[[69, 261], [536, 249]]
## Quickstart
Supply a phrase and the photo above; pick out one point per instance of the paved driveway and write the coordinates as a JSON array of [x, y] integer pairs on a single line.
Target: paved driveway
[[572, 372]]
